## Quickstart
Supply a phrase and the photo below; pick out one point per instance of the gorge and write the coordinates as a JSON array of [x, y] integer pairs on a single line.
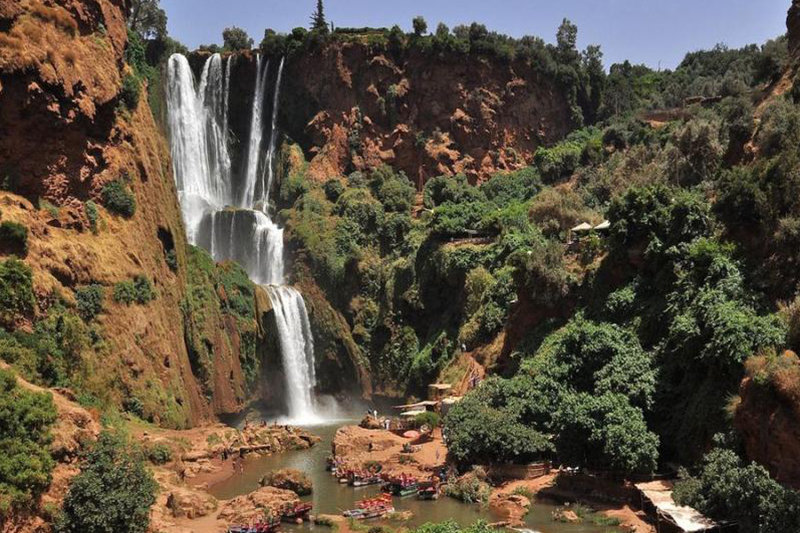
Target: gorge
[[561, 286]]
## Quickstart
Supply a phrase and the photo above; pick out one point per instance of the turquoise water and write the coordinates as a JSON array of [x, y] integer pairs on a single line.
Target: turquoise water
[[330, 497]]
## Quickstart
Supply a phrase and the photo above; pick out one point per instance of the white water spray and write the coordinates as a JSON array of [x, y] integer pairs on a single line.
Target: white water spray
[[198, 121]]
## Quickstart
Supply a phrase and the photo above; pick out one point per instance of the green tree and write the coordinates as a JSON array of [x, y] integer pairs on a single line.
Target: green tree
[[420, 26], [502, 420], [235, 39], [148, 19], [566, 43], [25, 461], [318, 22], [112, 493], [727, 489]]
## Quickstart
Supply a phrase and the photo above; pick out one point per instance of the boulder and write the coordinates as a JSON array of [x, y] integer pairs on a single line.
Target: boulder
[[254, 506], [288, 479], [190, 504]]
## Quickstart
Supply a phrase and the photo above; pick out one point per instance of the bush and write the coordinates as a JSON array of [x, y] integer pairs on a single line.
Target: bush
[[144, 289], [124, 292], [14, 238], [25, 461], [727, 489], [89, 301], [470, 488], [117, 198], [131, 91], [112, 493], [16, 290], [559, 161], [333, 189], [138, 290], [93, 215], [428, 418], [158, 453]]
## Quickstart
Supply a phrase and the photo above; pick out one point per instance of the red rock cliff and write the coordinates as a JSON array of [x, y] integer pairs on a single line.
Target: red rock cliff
[[427, 114], [65, 134]]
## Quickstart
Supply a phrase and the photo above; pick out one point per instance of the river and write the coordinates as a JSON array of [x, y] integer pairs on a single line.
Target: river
[[330, 497]]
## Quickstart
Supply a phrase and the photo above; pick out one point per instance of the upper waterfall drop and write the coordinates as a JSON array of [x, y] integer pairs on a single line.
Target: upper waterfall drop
[[232, 222]]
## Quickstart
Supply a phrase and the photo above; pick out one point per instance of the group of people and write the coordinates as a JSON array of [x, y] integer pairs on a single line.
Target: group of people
[[238, 459]]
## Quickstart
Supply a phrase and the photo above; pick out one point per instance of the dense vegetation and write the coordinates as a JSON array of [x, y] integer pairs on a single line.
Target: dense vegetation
[[112, 493], [620, 352], [25, 461]]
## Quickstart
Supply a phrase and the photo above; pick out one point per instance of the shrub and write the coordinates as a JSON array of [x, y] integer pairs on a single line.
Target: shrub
[[333, 189], [138, 290], [25, 461], [14, 238], [16, 290], [144, 289], [131, 91], [89, 301], [428, 418], [93, 215], [118, 198], [112, 493], [728, 489], [124, 292], [158, 453], [559, 161], [171, 258], [470, 488]]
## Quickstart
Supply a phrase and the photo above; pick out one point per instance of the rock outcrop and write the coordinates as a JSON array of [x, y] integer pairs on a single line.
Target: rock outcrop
[[288, 479], [768, 416], [253, 507], [793, 29]]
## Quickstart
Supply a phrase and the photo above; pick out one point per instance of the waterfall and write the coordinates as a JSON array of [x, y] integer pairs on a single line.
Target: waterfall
[[273, 138], [297, 346], [234, 224], [256, 133]]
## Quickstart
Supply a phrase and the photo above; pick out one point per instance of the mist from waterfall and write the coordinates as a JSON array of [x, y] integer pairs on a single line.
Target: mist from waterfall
[[231, 222]]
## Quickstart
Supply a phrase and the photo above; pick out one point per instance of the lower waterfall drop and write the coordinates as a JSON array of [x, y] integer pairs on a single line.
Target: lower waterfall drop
[[297, 347]]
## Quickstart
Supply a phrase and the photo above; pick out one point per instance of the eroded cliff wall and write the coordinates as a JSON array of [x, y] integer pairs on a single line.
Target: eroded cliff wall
[[67, 132]]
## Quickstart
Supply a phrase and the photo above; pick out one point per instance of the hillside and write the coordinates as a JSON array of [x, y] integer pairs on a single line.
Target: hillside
[[87, 174]]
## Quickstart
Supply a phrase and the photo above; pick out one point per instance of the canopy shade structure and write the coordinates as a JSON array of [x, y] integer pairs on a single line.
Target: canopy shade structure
[[585, 226], [411, 414], [419, 405], [604, 225]]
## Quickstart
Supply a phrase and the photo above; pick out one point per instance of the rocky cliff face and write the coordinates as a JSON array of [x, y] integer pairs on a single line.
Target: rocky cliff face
[[793, 29], [425, 114], [768, 416], [66, 134]]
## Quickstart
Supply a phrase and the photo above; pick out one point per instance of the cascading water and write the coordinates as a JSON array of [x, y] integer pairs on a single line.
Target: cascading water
[[235, 224]]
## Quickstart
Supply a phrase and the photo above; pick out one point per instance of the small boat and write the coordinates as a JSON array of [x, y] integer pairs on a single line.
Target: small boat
[[428, 490], [296, 513], [363, 479], [264, 526], [371, 508], [402, 485]]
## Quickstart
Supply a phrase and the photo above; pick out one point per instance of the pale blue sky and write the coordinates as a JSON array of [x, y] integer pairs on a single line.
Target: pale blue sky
[[645, 31]]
